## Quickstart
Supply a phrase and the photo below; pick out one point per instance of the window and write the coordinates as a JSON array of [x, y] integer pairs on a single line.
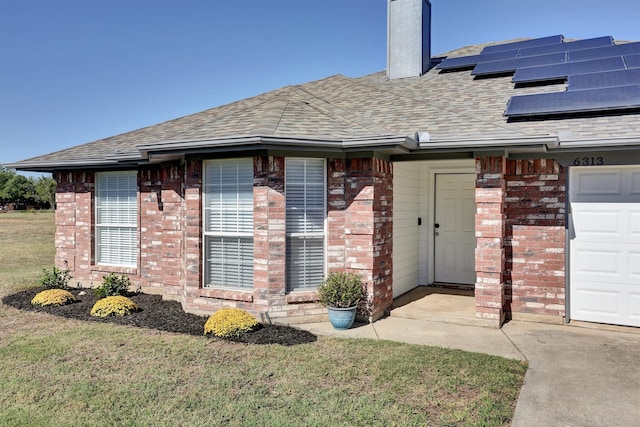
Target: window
[[305, 189], [228, 223], [117, 218]]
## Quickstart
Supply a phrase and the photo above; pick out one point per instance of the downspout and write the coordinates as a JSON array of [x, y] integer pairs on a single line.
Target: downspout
[[568, 234]]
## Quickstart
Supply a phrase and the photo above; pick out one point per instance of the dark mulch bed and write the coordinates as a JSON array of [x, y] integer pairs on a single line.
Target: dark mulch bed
[[155, 313]]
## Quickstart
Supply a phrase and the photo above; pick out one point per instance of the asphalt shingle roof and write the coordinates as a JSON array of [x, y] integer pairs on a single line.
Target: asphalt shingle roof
[[448, 105]]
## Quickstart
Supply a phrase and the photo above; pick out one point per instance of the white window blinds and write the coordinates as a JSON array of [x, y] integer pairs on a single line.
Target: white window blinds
[[305, 188], [117, 218], [228, 223]]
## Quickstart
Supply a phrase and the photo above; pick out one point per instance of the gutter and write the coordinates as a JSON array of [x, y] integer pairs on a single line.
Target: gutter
[[598, 143], [547, 142]]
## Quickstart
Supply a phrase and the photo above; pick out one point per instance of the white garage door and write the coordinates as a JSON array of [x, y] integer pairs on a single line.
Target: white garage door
[[605, 244]]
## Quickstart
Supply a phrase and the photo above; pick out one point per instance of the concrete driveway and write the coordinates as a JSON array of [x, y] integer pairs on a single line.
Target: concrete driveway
[[577, 376]]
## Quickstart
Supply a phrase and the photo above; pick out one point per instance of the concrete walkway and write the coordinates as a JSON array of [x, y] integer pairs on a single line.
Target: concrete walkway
[[577, 376]]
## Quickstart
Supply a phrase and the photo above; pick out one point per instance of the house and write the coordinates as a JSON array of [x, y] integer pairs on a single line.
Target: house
[[511, 168]]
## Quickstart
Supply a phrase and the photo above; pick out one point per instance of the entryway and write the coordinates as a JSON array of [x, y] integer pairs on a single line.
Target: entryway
[[426, 193], [437, 304]]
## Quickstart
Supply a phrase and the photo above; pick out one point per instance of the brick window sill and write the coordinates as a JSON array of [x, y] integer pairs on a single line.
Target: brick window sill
[[300, 297], [226, 294], [97, 268]]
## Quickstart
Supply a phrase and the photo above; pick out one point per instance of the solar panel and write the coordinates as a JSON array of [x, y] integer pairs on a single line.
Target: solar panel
[[569, 46], [471, 60], [633, 61], [555, 72], [601, 76], [606, 79], [610, 99], [510, 65], [523, 44], [604, 52]]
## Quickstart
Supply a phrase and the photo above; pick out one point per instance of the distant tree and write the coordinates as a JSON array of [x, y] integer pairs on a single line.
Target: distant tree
[[28, 192], [45, 191], [20, 189], [5, 176]]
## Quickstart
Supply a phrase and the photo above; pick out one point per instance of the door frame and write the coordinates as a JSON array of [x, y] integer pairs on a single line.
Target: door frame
[[449, 167]]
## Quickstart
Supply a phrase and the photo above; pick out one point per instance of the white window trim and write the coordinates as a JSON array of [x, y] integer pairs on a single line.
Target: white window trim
[[98, 225]]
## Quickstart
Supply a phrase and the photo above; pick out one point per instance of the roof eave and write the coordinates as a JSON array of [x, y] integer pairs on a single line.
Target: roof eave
[[401, 144], [44, 166], [161, 151]]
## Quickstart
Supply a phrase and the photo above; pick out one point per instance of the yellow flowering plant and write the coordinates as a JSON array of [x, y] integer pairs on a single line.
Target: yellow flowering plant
[[53, 297], [230, 322], [113, 306]]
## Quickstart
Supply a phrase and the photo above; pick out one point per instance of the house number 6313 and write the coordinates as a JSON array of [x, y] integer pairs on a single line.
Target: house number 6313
[[588, 161]]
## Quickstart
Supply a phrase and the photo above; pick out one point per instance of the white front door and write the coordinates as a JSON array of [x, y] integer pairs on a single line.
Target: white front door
[[454, 229], [605, 244]]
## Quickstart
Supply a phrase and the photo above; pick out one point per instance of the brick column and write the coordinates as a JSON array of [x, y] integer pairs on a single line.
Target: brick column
[[192, 237], [269, 238], [368, 238], [336, 208], [490, 239]]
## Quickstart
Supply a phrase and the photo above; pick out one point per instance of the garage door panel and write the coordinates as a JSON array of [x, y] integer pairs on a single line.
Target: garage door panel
[[635, 307], [634, 266], [597, 301], [635, 183], [634, 225], [596, 220], [601, 262], [605, 245], [597, 183]]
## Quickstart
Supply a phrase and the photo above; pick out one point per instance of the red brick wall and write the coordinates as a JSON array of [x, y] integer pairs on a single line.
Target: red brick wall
[[368, 228], [520, 255], [359, 235], [535, 239], [160, 221], [269, 239], [161, 229], [74, 223]]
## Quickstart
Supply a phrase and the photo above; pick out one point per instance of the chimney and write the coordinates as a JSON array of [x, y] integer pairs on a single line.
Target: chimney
[[408, 38]]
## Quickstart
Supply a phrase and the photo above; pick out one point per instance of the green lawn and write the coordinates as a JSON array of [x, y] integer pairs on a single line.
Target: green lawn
[[55, 371]]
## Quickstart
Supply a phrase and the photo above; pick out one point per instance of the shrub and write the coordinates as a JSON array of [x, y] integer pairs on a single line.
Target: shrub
[[230, 322], [113, 306], [53, 297], [341, 290], [55, 278], [113, 285]]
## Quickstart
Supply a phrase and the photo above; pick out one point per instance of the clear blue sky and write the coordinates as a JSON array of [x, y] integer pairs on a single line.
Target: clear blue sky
[[73, 71]]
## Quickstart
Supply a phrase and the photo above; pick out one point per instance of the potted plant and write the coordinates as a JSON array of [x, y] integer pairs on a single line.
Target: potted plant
[[341, 292]]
